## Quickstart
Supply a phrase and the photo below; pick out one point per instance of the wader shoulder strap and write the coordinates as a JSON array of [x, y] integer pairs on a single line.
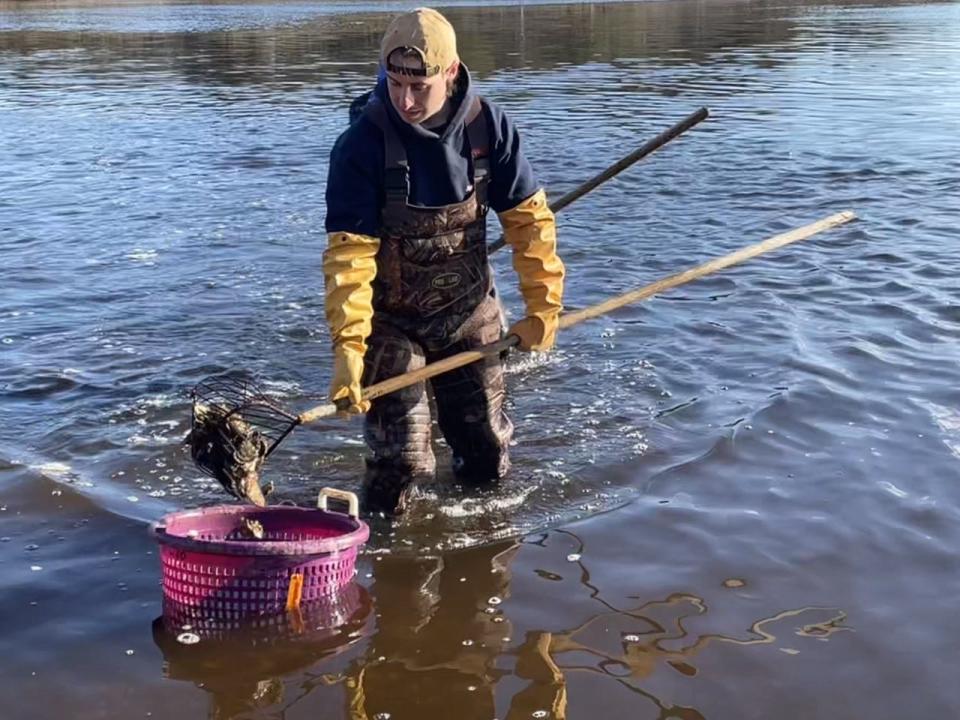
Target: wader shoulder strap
[[396, 176], [478, 135]]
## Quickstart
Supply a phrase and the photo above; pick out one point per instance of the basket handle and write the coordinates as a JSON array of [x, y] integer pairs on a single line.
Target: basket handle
[[350, 498]]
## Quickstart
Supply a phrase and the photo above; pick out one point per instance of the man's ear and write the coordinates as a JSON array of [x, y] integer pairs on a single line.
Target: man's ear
[[452, 71]]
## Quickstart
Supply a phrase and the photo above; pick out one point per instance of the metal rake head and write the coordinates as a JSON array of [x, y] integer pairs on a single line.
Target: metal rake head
[[234, 428]]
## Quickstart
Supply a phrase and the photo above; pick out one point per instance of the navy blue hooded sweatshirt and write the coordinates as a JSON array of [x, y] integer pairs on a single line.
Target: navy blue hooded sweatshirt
[[439, 164]]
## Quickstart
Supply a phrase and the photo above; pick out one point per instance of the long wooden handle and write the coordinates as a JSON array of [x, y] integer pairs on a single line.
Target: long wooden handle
[[712, 266], [620, 165], [465, 358], [398, 382]]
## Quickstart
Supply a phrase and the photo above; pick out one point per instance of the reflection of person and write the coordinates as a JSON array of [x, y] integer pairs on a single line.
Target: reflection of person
[[441, 640], [407, 276]]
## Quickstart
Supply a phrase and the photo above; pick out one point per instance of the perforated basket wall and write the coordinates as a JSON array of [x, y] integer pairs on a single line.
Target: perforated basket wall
[[211, 570]]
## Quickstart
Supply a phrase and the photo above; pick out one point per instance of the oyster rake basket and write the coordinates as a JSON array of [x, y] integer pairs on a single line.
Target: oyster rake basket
[[212, 569]]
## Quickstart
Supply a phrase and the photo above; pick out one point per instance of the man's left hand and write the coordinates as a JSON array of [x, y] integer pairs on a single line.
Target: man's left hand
[[536, 332]]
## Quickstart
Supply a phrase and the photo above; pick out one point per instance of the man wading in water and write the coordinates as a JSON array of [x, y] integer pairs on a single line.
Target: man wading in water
[[407, 277]]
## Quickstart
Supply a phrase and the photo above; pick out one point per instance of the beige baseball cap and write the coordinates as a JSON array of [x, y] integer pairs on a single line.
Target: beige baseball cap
[[425, 31]]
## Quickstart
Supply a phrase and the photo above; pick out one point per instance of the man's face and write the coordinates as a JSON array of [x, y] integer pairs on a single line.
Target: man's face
[[416, 98]]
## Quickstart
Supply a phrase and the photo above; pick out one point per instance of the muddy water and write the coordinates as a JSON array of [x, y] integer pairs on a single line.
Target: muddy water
[[739, 500]]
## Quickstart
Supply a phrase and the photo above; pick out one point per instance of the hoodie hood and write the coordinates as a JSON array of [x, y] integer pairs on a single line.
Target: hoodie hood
[[440, 165], [452, 132]]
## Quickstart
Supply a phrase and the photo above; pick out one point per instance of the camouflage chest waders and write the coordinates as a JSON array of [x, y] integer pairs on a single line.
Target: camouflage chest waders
[[433, 297]]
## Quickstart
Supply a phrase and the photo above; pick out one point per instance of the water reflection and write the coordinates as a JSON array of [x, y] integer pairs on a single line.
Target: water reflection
[[629, 645], [644, 646], [264, 662], [442, 639], [324, 47], [440, 631]]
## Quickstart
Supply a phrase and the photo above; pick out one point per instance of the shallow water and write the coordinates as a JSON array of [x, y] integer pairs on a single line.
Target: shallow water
[[739, 499]]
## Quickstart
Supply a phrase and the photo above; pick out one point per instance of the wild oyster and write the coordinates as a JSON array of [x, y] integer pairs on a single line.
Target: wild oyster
[[229, 449], [251, 529]]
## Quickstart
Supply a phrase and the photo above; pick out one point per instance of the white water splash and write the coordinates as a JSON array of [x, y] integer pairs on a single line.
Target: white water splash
[[892, 489], [54, 470], [478, 506], [141, 255]]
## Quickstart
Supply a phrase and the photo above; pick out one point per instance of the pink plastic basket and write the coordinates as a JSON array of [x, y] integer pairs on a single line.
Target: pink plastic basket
[[212, 571]]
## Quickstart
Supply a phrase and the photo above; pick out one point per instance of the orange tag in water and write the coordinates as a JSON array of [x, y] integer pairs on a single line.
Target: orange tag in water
[[294, 591]]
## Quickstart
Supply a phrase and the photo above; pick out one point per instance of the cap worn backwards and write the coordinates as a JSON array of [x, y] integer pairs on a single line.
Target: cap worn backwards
[[426, 32]]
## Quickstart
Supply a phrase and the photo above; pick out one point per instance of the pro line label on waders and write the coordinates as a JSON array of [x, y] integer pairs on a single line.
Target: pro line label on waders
[[447, 280]]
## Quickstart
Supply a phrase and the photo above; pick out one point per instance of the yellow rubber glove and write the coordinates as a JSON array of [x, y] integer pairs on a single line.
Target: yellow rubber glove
[[349, 267], [531, 230]]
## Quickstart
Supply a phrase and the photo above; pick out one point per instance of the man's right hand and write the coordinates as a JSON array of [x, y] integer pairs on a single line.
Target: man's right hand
[[345, 389], [349, 268]]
